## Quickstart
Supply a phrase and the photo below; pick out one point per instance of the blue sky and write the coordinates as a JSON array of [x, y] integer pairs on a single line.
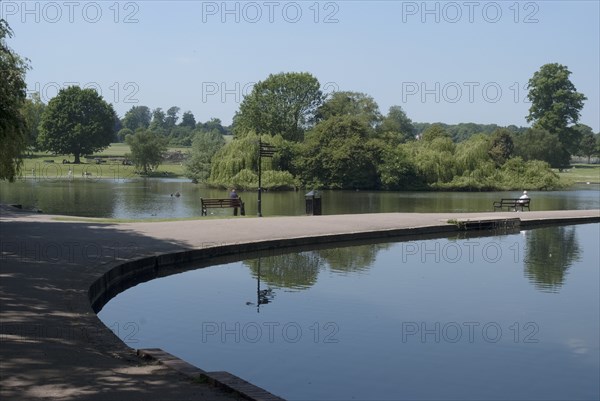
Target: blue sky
[[464, 61]]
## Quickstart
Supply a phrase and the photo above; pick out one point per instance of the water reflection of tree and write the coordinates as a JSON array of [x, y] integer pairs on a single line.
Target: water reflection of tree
[[293, 270], [549, 253], [351, 259], [300, 270]]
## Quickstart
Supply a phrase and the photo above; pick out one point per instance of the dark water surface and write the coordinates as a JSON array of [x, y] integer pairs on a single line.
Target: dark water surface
[[504, 316], [150, 198]]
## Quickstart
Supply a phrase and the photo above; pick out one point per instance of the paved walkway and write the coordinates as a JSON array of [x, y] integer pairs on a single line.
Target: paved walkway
[[53, 346]]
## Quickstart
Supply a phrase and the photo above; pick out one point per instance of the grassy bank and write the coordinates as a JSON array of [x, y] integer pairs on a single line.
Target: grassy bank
[[48, 165], [581, 173]]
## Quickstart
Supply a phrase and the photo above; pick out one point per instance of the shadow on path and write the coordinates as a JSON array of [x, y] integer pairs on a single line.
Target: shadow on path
[[52, 345]]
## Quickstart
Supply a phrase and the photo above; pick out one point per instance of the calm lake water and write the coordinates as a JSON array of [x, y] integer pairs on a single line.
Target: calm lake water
[[503, 316], [151, 198]]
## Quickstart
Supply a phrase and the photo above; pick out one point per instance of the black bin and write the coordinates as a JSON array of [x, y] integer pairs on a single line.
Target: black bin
[[313, 203]]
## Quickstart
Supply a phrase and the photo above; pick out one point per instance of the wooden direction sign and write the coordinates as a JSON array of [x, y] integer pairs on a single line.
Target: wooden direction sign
[[267, 150]]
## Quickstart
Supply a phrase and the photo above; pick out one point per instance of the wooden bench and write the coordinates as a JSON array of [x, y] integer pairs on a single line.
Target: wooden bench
[[209, 203], [512, 204]]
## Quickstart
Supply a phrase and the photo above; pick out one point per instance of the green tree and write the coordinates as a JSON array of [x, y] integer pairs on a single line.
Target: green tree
[[137, 117], [338, 153], [354, 104], [188, 120], [147, 149], [282, 104], [397, 170], [587, 143], [172, 117], [539, 144], [181, 136], [501, 146], [236, 164], [204, 147], [158, 120], [78, 122], [555, 106], [13, 127], [434, 131], [33, 109], [396, 127], [212, 124], [122, 134]]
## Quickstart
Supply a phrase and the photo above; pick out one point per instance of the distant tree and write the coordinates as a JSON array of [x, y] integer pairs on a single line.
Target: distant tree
[[147, 149], [355, 104], [501, 146], [33, 109], [555, 106], [117, 126], [181, 136], [396, 126], [172, 117], [213, 124], [78, 122], [283, 104], [587, 143], [434, 131], [137, 117], [539, 144], [188, 120], [158, 120], [13, 127], [204, 147], [122, 134]]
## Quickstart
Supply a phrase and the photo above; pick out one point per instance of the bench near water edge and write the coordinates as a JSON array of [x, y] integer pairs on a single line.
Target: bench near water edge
[[512, 204], [209, 203]]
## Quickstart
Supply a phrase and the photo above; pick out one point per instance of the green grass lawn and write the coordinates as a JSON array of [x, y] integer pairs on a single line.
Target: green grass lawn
[[581, 173], [51, 165]]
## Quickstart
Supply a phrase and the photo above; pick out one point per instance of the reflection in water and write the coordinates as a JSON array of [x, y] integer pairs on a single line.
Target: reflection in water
[[351, 259], [149, 197], [549, 253], [295, 271], [416, 312], [299, 271]]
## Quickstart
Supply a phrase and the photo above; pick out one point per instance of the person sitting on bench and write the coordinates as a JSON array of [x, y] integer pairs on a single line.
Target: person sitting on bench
[[234, 195], [524, 196]]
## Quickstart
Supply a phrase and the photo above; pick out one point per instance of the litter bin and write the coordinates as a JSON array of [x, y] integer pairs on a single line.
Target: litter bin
[[313, 203]]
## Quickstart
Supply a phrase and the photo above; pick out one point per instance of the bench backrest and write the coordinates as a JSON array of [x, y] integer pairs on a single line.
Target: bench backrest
[[515, 200], [218, 202]]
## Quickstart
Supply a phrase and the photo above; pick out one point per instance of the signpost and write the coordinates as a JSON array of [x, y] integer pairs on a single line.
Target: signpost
[[264, 150]]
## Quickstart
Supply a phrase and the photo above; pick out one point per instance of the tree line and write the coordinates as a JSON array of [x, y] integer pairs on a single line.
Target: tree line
[[343, 141], [338, 140]]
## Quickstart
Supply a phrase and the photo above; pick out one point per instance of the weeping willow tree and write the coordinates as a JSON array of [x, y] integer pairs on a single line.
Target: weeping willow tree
[[473, 168], [236, 164]]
